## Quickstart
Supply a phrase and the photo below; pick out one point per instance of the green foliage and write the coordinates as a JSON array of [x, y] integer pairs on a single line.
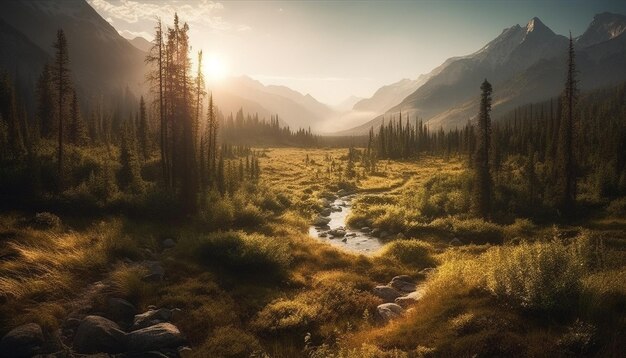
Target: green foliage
[[239, 252], [410, 252], [286, 317]]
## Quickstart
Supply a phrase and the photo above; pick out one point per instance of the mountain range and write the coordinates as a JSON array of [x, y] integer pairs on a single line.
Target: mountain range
[[102, 61], [524, 64]]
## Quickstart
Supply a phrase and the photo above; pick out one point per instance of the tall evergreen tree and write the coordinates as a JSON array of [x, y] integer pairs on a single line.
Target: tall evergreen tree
[[144, 130], [45, 103], [566, 163], [77, 130], [62, 85], [482, 199]]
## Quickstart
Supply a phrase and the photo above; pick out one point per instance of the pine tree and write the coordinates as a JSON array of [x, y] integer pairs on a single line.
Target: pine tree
[[45, 103], [482, 199], [144, 131], [77, 130], [130, 172], [62, 85], [566, 163]]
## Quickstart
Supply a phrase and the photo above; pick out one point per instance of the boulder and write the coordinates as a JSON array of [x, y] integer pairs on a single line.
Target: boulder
[[321, 221], [344, 240], [324, 202], [351, 234], [22, 341], [456, 242], [158, 336], [428, 271], [400, 236], [185, 352], [386, 293], [155, 271], [325, 212], [410, 299], [337, 232], [121, 311], [98, 334], [366, 229], [168, 243], [389, 311], [401, 283], [336, 208], [323, 234], [376, 232], [151, 317]]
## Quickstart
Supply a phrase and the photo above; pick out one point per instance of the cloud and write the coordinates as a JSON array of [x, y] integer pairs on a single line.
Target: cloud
[[130, 11]]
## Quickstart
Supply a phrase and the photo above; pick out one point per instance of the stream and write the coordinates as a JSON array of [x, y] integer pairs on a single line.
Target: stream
[[355, 241]]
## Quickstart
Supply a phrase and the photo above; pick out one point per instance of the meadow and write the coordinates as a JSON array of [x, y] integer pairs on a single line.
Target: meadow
[[249, 281]]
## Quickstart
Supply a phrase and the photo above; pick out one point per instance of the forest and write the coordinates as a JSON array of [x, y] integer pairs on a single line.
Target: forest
[[158, 225]]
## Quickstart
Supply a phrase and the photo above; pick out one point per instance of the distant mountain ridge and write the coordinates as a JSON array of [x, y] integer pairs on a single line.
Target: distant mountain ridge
[[102, 61], [523, 64], [292, 107]]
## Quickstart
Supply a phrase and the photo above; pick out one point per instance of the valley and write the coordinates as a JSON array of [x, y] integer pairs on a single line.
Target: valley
[[312, 179]]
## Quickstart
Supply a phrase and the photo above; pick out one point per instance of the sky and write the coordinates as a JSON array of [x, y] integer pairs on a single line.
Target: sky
[[337, 49]]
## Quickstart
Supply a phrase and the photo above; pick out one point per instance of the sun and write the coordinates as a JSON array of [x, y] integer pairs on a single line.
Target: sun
[[216, 67]]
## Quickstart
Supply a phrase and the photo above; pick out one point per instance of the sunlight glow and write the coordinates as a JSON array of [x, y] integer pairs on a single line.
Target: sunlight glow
[[216, 67]]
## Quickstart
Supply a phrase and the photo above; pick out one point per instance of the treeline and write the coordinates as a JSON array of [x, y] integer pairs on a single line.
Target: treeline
[[537, 158], [405, 138], [249, 129], [168, 147]]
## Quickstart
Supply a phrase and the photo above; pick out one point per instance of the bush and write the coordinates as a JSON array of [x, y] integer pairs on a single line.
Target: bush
[[543, 276], [228, 342], [410, 252], [240, 252], [286, 316]]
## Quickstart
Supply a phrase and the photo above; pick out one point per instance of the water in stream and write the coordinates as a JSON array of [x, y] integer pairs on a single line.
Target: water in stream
[[360, 243]]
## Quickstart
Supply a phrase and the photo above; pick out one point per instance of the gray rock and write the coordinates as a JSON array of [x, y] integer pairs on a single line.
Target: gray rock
[[389, 311], [98, 334], [344, 240], [158, 336], [428, 271], [22, 341], [456, 242], [185, 352], [351, 234], [400, 284], [336, 208], [325, 212], [410, 299], [400, 236], [337, 233], [321, 221], [155, 271], [151, 317], [168, 243], [386, 293], [121, 311], [324, 202], [323, 234], [366, 229], [376, 232]]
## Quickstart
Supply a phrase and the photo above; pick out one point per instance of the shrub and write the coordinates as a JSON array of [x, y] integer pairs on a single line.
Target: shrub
[[282, 316], [249, 216], [410, 252], [228, 342], [240, 252], [542, 276]]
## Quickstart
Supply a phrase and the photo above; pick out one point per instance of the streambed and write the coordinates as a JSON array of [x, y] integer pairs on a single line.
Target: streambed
[[355, 241]]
